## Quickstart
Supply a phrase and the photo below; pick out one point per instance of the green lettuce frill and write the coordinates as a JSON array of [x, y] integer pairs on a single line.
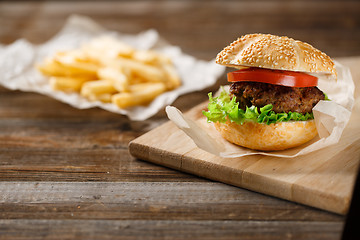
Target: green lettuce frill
[[223, 107]]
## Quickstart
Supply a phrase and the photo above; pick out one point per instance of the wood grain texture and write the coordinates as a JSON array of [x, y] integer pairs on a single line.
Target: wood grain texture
[[67, 173], [146, 200], [332, 26], [106, 210], [156, 229]]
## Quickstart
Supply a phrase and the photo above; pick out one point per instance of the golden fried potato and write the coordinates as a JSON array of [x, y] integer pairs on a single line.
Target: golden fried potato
[[138, 69], [109, 70], [118, 78], [97, 87], [67, 84], [140, 94], [54, 68]]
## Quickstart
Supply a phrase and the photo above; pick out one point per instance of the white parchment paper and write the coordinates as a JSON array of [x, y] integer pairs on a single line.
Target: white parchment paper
[[17, 63], [331, 118]]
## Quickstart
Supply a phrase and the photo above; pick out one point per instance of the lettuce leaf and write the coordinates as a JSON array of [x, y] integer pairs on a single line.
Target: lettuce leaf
[[224, 107]]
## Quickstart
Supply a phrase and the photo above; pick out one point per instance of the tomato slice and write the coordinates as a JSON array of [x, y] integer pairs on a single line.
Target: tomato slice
[[278, 77]]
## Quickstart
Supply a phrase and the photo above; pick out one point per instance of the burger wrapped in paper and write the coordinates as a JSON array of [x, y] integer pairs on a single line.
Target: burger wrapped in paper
[[269, 104]]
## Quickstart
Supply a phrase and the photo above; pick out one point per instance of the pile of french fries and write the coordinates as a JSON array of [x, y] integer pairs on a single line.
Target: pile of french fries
[[108, 70]]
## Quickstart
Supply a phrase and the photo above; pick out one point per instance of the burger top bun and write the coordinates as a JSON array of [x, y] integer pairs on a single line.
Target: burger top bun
[[274, 52]]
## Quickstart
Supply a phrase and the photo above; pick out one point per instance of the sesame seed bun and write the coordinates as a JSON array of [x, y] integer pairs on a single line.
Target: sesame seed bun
[[274, 52], [276, 136], [277, 53]]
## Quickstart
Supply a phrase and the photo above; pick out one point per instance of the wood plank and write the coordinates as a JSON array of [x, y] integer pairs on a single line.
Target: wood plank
[[44, 140], [17, 104], [157, 229], [146, 200], [94, 164]]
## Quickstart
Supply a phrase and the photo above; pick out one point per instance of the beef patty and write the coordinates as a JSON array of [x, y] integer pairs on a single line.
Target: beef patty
[[283, 99]]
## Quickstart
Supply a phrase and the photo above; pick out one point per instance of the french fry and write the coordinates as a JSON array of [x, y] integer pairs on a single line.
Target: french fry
[[172, 76], [107, 47], [119, 79], [148, 72], [67, 84], [100, 90], [86, 68], [140, 94], [150, 57], [147, 57], [96, 88], [105, 97], [111, 71], [49, 68], [77, 61], [70, 56], [54, 68]]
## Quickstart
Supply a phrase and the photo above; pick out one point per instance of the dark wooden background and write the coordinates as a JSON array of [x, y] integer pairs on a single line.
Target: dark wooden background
[[66, 173]]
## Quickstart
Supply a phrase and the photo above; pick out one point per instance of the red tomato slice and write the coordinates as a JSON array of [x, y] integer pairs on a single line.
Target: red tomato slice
[[278, 77]]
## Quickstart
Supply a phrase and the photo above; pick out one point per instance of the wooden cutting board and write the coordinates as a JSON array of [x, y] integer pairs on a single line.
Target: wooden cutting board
[[323, 179]]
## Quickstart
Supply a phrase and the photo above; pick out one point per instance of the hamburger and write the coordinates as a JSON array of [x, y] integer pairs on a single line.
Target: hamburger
[[272, 93]]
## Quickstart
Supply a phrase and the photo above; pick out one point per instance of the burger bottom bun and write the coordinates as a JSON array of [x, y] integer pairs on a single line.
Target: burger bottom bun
[[276, 136]]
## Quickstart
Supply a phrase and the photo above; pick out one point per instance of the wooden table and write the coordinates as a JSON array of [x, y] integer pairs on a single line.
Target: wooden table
[[67, 173]]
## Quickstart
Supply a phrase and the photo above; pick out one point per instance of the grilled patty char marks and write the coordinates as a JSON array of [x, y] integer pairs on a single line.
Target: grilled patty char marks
[[283, 99]]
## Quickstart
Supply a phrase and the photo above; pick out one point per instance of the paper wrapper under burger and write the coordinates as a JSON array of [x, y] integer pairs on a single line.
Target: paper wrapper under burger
[[331, 118]]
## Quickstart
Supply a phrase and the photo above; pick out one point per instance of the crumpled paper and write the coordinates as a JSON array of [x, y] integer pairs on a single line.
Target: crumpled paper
[[331, 117], [18, 59]]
